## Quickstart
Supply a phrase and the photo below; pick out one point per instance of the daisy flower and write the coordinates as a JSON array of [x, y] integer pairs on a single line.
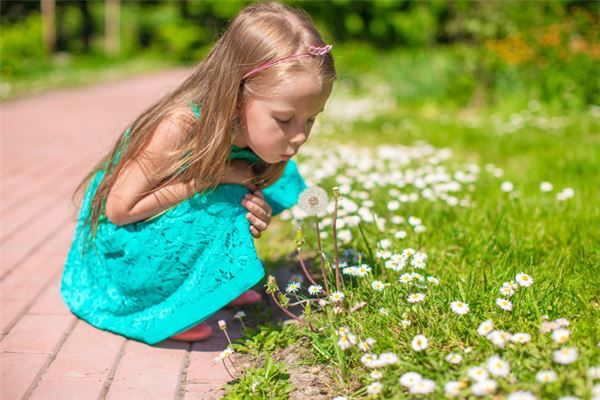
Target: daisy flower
[[315, 289], [239, 315], [499, 337], [485, 327], [504, 304], [497, 366], [336, 296], [566, 355], [454, 358], [377, 285], [419, 343], [453, 388], [507, 291], [524, 279], [460, 308], [224, 354], [374, 388], [546, 187], [546, 376], [346, 341], [376, 374], [433, 279], [520, 337], [477, 373], [292, 287], [362, 270], [406, 278], [484, 387], [521, 395], [410, 378], [561, 335], [416, 297], [423, 386]]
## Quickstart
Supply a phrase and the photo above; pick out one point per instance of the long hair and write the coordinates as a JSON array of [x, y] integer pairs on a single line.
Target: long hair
[[258, 34]]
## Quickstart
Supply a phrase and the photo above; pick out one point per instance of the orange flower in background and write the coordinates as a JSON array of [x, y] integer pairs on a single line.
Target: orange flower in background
[[512, 50]]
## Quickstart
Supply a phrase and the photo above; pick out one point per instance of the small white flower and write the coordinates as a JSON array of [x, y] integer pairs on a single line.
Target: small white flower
[[292, 287], [521, 337], [477, 373], [222, 324], [561, 335], [239, 315], [593, 372], [459, 307], [484, 387], [346, 341], [504, 304], [406, 278], [566, 355], [376, 374], [507, 291], [499, 337], [419, 343], [336, 296], [546, 187], [433, 280], [507, 186], [405, 323], [410, 378], [562, 322], [423, 386], [416, 297], [524, 280], [224, 354], [453, 388], [485, 327], [374, 388], [546, 376], [377, 285], [315, 289], [400, 234], [342, 330], [498, 367], [521, 395], [313, 201], [454, 358]]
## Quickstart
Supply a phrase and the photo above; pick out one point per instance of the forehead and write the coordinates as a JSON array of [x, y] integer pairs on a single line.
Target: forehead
[[303, 94]]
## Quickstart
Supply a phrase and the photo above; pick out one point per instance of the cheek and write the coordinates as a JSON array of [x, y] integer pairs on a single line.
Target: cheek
[[266, 134]]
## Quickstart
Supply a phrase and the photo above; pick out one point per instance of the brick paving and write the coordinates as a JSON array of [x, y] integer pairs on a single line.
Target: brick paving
[[48, 143]]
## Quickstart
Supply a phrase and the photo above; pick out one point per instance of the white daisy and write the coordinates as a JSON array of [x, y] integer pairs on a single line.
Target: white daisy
[[521, 395], [400, 234], [377, 285], [410, 378], [504, 304], [374, 388], [485, 327], [507, 291], [593, 372], [520, 337], [406, 278], [423, 386], [453, 388], [346, 341], [546, 376], [546, 187], [566, 355], [336, 296], [315, 289], [292, 287], [561, 335], [419, 343], [499, 337], [477, 373], [376, 374], [416, 297], [507, 186], [497, 367], [484, 387], [433, 279], [239, 315], [524, 280], [454, 358], [459, 307]]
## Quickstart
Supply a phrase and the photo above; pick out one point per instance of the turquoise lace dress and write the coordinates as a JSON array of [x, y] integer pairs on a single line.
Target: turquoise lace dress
[[152, 279]]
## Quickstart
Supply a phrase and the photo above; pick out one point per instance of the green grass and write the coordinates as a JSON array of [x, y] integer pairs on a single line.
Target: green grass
[[473, 250]]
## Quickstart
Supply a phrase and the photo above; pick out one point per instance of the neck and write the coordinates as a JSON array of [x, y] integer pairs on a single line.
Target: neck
[[240, 142]]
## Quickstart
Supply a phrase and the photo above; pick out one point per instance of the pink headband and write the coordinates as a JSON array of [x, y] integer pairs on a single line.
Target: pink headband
[[312, 50]]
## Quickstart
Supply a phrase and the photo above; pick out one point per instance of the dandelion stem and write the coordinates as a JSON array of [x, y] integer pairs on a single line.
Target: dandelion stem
[[325, 277], [335, 247], [288, 313], [308, 275]]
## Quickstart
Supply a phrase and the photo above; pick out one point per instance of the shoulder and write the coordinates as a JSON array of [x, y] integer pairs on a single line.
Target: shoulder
[[174, 128]]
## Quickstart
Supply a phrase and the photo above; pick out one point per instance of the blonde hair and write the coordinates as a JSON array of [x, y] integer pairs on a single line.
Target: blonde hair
[[261, 32]]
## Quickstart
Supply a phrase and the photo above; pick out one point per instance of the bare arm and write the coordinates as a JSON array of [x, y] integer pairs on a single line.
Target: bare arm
[[128, 200]]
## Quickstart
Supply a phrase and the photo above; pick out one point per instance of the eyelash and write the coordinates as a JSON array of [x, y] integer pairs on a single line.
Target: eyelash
[[285, 122]]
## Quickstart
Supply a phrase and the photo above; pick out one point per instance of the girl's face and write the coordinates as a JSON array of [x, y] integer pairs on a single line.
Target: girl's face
[[275, 127]]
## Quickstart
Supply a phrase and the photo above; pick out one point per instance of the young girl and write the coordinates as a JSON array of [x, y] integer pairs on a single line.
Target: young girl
[[164, 237]]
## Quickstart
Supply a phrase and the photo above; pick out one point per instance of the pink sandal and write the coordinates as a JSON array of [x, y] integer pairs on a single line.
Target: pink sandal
[[202, 331], [248, 297]]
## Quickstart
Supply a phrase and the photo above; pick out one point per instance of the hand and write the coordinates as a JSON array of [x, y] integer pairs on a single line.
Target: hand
[[260, 212], [240, 172]]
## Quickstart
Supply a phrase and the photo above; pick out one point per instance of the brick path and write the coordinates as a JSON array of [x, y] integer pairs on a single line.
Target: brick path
[[48, 144]]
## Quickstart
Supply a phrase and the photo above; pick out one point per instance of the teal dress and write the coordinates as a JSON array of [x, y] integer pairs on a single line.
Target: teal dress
[[152, 279]]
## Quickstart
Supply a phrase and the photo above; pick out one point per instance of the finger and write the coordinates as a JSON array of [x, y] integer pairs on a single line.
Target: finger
[[261, 203], [255, 232], [258, 223], [262, 196], [256, 209]]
